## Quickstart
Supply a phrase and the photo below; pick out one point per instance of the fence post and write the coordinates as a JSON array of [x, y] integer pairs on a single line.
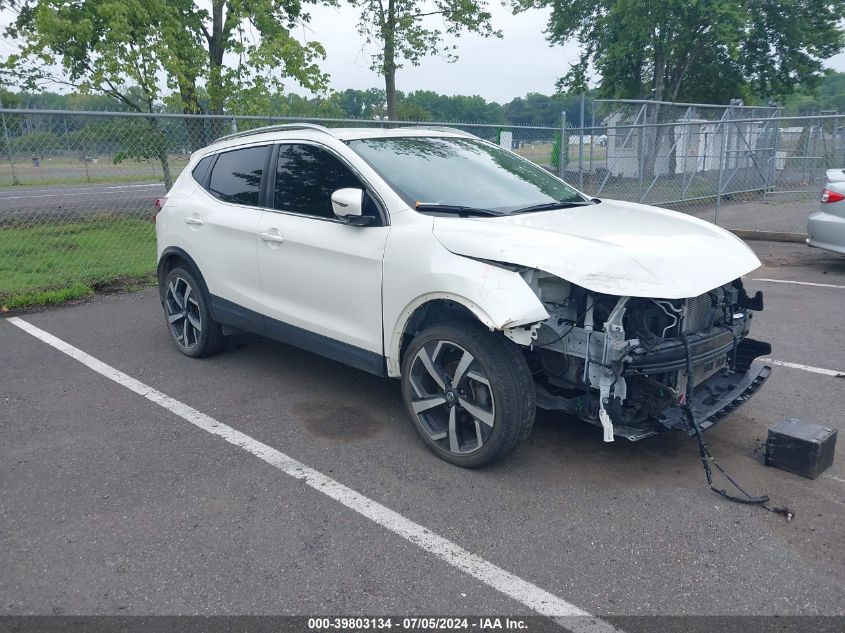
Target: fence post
[[721, 169], [592, 139], [563, 153], [67, 138], [642, 149], [581, 147], [15, 180], [84, 155]]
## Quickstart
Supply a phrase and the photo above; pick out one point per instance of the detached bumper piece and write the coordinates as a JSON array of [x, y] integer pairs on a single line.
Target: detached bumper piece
[[714, 398], [719, 395], [717, 398]]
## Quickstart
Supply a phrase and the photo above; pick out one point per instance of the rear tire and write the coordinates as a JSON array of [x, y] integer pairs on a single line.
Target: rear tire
[[188, 316], [469, 393]]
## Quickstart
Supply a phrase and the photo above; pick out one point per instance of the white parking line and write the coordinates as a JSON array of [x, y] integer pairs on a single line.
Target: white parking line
[[800, 283], [93, 191], [810, 368], [529, 594]]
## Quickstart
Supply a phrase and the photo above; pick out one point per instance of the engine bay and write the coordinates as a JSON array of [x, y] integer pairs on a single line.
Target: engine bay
[[624, 363]]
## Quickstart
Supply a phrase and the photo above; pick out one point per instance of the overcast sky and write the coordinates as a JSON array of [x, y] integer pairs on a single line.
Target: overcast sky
[[497, 69]]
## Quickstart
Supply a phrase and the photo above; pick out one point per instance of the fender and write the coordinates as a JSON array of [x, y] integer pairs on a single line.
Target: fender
[[495, 321], [499, 297]]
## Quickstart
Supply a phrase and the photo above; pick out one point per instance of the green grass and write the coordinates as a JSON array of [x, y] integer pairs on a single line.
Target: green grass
[[30, 181], [56, 263], [542, 152], [70, 171]]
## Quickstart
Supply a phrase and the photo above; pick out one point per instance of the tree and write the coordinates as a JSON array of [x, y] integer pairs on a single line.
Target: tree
[[456, 108], [361, 104], [829, 95], [544, 110], [236, 47], [672, 49], [404, 32], [103, 46]]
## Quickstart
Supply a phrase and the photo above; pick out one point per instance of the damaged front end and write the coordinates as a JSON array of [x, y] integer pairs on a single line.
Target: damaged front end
[[623, 363]]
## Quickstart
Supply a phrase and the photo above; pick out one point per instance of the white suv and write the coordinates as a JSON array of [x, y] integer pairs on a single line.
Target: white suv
[[485, 283]]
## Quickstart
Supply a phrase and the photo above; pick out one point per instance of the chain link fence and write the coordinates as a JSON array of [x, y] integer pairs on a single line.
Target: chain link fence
[[77, 188], [689, 156]]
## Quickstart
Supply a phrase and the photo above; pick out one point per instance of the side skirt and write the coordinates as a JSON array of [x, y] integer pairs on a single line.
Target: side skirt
[[233, 315]]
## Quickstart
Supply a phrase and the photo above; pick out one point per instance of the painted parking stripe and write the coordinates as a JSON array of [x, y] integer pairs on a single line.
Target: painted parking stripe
[[810, 368], [800, 283], [527, 593]]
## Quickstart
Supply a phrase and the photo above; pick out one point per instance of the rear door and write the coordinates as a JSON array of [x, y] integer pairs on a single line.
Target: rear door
[[222, 220], [321, 278]]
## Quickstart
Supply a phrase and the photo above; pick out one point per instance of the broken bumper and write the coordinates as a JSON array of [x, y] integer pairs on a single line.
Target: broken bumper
[[718, 397]]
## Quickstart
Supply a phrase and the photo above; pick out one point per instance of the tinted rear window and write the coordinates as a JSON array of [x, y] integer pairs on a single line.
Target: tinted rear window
[[236, 176], [201, 170]]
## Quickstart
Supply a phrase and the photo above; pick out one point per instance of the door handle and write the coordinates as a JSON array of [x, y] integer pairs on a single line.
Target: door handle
[[272, 237], [193, 221]]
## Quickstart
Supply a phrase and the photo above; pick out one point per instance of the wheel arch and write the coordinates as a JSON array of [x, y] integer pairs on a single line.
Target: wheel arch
[[427, 310], [170, 258]]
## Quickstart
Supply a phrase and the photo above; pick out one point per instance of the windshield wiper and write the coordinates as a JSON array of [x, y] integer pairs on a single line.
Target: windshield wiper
[[548, 206], [455, 208]]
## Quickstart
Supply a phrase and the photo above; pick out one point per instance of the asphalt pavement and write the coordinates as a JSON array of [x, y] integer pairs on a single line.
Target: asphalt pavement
[[111, 504]]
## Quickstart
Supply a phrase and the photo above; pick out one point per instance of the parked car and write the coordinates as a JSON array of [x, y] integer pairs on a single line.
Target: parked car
[[826, 227], [488, 286]]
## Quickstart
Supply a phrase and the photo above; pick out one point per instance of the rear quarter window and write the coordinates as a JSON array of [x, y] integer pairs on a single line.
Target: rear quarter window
[[201, 170], [236, 175]]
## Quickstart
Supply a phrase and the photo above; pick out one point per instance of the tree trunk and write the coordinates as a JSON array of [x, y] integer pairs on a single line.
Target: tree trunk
[[165, 169], [216, 49], [390, 91], [389, 70], [161, 151], [652, 135], [190, 105]]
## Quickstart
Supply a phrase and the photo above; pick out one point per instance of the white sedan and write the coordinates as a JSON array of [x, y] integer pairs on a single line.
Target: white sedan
[[826, 227]]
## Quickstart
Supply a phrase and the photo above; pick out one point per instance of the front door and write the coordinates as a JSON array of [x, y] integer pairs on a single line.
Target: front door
[[321, 278]]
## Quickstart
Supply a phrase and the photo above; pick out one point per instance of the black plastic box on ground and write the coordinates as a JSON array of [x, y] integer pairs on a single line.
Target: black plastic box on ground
[[799, 447]]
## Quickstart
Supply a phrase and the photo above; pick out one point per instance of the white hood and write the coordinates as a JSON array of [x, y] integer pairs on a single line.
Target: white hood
[[614, 247]]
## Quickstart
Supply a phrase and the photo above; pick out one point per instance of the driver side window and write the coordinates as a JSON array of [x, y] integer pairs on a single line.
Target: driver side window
[[306, 177]]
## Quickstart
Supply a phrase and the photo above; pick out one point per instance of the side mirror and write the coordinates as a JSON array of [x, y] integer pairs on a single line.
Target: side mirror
[[348, 205]]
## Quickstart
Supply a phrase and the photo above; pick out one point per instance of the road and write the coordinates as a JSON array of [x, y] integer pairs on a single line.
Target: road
[[773, 213], [32, 203], [114, 504]]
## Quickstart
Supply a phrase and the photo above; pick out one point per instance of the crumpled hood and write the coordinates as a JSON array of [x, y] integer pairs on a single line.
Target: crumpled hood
[[614, 247]]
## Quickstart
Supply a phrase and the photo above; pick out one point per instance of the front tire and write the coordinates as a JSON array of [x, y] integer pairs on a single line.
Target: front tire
[[188, 316], [469, 393]]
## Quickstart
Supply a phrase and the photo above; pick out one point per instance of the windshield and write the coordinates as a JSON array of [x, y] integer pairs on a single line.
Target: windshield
[[428, 172]]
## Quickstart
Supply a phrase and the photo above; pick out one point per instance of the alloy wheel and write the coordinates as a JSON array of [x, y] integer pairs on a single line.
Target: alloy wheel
[[452, 398], [183, 313]]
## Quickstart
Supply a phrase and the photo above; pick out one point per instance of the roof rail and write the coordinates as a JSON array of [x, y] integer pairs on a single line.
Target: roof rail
[[275, 128], [441, 128]]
